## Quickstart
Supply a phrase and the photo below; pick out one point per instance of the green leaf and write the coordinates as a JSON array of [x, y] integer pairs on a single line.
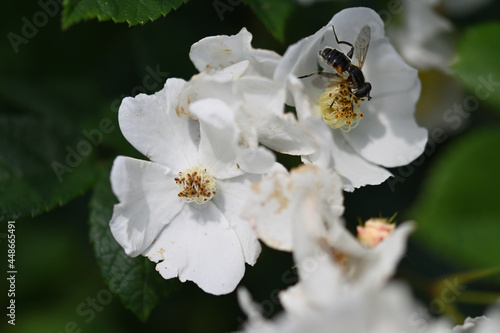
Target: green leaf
[[478, 66], [34, 172], [458, 213], [134, 280], [131, 11], [274, 14]]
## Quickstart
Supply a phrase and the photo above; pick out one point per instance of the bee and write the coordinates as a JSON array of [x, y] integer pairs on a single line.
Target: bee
[[345, 70], [347, 84]]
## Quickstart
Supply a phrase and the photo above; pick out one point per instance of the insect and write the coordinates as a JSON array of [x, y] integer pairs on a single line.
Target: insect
[[347, 85], [345, 70]]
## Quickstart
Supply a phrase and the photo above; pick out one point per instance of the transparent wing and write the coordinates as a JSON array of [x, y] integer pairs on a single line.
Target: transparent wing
[[323, 80], [361, 45]]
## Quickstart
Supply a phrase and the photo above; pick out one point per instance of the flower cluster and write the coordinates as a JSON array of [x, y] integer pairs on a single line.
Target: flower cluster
[[212, 187], [343, 280]]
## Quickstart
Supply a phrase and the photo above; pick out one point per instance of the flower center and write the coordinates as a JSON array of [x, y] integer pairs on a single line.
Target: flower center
[[340, 107], [196, 185]]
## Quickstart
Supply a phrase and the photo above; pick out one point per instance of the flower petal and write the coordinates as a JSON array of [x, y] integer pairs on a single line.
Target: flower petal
[[388, 135], [336, 153], [218, 141], [200, 246], [148, 201], [386, 257], [424, 37], [262, 108], [276, 200], [231, 197], [355, 170], [218, 52], [151, 124], [259, 160], [269, 211], [285, 135], [320, 277]]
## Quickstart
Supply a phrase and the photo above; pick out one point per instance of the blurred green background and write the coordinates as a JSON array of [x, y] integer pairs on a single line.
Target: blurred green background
[[61, 83]]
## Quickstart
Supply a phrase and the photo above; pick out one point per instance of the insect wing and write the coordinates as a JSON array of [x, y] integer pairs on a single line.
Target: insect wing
[[323, 80], [327, 80], [361, 45]]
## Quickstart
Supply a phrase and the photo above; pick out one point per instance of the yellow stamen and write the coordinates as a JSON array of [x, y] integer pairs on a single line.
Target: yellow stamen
[[340, 107], [196, 185]]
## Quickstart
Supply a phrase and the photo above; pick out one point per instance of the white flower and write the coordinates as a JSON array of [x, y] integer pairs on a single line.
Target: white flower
[[427, 40], [424, 37], [334, 263], [387, 135], [390, 310], [240, 76], [301, 211], [258, 106], [182, 208], [277, 200]]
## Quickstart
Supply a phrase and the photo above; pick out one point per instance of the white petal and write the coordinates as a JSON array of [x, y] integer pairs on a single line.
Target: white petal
[[269, 211], [148, 200], [355, 170], [302, 57], [424, 37], [370, 268], [319, 276], [389, 74], [297, 58], [324, 136], [295, 299], [232, 195], [259, 160], [218, 142], [200, 246], [217, 84], [348, 23], [388, 135], [285, 135], [313, 124], [218, 52], [386, 257], [262, 108], [151, 124], [248, 305], [275, 202]]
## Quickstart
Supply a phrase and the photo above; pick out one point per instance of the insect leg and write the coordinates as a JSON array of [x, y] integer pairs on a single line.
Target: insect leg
[[325, 74], [351, 52]]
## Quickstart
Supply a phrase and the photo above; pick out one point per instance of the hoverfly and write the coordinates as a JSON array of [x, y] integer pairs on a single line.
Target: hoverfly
[[347, 84]]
